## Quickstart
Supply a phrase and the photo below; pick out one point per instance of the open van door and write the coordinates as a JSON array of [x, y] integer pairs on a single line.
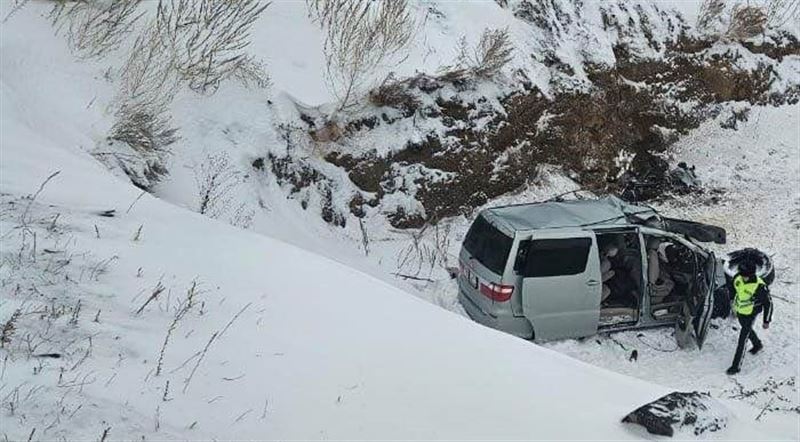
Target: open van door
[[561, 283], [700, 303], [699, 231], [702, 316]]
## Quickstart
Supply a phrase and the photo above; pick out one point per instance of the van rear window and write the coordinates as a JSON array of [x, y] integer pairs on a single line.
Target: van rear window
[[554, 257], [488, 245]]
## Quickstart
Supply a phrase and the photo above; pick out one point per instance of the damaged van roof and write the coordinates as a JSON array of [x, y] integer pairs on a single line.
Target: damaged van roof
[[574, 213]]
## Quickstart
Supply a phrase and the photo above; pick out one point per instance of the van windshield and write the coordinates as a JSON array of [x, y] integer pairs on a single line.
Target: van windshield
[[488, 245]]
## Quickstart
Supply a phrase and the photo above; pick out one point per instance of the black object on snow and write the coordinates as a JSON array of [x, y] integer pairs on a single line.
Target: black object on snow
[[761, 260], [677, 410]]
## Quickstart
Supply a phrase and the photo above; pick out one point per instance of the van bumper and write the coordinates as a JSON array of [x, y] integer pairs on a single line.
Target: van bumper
[[515, 325]]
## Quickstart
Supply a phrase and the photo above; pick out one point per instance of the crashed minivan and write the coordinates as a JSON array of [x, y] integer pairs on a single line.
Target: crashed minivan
[[570, 269]]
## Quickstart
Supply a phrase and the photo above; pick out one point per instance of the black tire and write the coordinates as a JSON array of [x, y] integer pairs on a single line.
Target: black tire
[[764, 267]]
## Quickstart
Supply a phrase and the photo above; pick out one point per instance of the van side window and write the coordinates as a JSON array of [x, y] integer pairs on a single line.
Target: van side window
[[488, 245], [553, 257]]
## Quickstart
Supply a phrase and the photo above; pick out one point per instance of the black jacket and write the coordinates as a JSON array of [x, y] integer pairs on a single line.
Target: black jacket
[[762, 300]]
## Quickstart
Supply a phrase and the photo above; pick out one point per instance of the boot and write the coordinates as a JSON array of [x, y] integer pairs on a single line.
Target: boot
[[732, 371], [756, 349]]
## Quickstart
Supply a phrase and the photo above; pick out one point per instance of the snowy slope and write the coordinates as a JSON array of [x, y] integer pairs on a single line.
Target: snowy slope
[[318, 351], [313, 349]]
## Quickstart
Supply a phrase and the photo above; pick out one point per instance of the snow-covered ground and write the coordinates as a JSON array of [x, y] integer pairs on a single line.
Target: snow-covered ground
[[284, 343], [757, 170]]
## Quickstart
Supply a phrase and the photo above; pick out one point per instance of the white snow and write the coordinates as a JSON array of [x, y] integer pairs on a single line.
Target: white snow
[[320, 350]]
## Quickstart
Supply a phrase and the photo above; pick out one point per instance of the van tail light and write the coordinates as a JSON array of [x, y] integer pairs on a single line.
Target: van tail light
[[497, 292]]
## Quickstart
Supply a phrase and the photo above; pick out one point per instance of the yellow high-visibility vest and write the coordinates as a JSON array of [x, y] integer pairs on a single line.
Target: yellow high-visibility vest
[[743, 303]]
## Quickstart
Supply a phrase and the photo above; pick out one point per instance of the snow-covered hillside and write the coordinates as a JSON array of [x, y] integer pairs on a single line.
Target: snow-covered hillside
[[253, 338], [272, 323]]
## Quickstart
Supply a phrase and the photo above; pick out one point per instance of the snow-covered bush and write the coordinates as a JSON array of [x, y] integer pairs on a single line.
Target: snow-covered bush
[[746, 22], [361, 36], [206, 40], [143, 128], [139, 144], [710, 16], [485, 60], [196, 43], [394, 93], [493, 52], [741, 21], [96, 27], [215, 179]]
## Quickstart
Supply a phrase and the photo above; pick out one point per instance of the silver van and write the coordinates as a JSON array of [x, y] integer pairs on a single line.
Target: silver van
[[569, 269]]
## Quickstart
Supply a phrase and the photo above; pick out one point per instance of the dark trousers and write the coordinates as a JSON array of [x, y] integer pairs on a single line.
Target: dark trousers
[[746, 332]]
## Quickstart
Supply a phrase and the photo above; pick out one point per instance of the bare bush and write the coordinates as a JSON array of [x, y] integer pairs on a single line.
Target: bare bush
[[148, 77], [427, 249], [493, 52], [215, 179], [138, 144], [143, 131], [96, 27], [243, 217], [207, 39], [781, 12], [9, 328], [394, 93], [746, 22], [198, 43], [711, 13], [183, 308], [361, 35]]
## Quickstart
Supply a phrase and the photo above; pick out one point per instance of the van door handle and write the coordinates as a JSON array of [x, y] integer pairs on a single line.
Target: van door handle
[[592, 282]]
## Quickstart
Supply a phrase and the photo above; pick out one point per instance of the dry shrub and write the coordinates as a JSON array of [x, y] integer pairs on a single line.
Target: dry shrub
[[394, 93], [143, 127], [724, 83], [148, 78], [361, 36], [96, 27], [143, 130], [139, 144], [781, 12], [207, 38], [199, 43], [710, 15], [9, 328], [215, 179], [746, 22], [493, 52]]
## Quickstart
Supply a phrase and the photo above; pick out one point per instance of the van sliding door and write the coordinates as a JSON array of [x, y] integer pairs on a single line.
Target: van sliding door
[[561, 284]]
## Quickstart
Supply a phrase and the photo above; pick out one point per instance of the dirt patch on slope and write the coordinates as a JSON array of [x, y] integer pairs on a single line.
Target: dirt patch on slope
[[610, 137]]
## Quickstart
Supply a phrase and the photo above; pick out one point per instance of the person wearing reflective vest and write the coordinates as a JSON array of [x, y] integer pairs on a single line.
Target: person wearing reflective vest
[[751, 297]]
